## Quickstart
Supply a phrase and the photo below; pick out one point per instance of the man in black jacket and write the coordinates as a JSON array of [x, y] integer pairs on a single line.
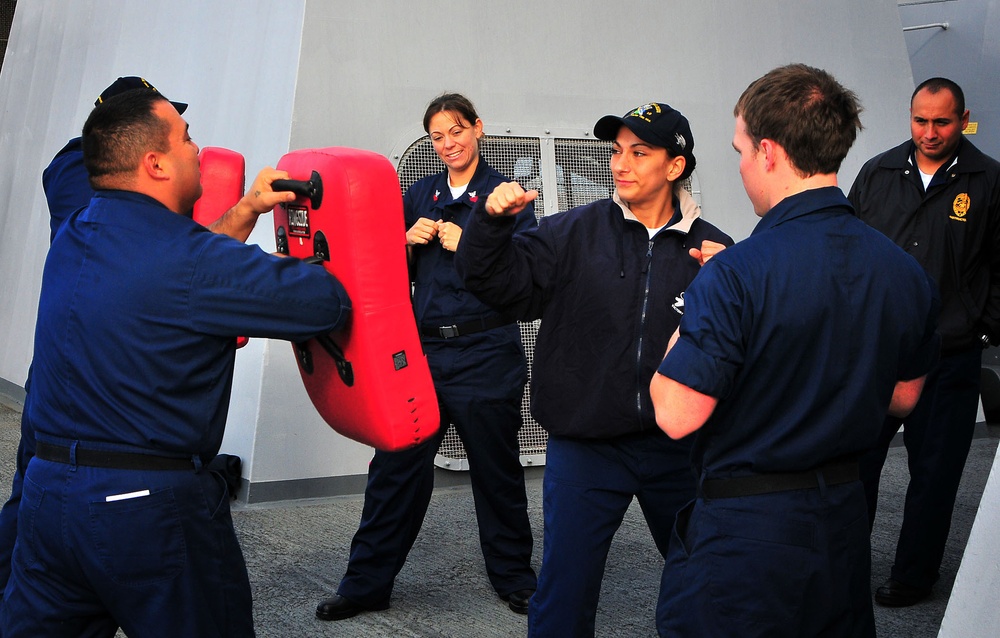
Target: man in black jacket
[[938, 197], [608, 281]]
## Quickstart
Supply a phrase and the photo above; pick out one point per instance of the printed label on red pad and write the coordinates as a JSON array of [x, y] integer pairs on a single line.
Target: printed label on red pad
[[298, 221]]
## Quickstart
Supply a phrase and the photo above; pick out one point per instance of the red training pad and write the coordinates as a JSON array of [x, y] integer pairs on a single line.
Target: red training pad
[[223, 175], [223, 178], [386, 399]]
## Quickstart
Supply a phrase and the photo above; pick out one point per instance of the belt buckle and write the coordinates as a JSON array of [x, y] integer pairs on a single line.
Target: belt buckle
[[448, 332]]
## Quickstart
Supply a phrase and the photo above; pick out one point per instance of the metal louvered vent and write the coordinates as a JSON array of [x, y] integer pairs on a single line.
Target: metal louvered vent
[[516, 157], [581, 176]]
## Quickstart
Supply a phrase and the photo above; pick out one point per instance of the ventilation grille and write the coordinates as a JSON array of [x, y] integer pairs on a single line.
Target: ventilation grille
[[516, 157], [582, 174]]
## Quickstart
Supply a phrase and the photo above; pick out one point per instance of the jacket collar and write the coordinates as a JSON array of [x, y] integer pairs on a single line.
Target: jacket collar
[[802, 204], [477, 187], [686, 210], [968, 158], [138, 211]]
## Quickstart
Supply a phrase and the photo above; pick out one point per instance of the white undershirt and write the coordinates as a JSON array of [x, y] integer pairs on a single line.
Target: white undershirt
[[926, 178], [456, 191], [652, 231], [630, 215]]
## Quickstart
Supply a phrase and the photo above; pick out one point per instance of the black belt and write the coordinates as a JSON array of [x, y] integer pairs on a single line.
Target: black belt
[[109, 460], [832, 474], [464, 328]]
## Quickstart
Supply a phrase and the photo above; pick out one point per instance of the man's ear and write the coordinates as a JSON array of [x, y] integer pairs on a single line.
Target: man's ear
[[770, 150], [154, 166]]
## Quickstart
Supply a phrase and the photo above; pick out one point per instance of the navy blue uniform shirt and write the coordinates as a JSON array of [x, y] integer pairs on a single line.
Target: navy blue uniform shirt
[[66, 185], [439, 296], [801, 331], [139, 310]]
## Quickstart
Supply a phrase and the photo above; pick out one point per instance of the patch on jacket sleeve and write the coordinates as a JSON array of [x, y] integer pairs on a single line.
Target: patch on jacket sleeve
[[678, 304]]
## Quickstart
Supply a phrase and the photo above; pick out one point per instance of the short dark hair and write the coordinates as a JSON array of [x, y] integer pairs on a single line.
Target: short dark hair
[[933, 85], [118, 132], [807, 112], [450, 102]]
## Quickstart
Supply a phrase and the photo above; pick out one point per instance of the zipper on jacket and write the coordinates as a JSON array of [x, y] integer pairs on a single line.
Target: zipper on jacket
[[642, 329], [649, 261]]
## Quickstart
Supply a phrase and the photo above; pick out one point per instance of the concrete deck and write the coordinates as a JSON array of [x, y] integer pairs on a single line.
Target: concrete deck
[[297, 551]]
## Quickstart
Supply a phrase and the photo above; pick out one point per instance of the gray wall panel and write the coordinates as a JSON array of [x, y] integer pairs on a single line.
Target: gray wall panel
[[968, 52], [562, 65]]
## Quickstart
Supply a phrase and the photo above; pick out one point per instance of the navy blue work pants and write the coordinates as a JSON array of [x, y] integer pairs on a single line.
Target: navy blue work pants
[[163, 564], [788, 564], [479, 383], [937, 436], [588, 487]]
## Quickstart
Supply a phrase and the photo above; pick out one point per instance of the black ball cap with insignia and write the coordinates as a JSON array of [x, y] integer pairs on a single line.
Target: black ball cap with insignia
[[130, 83]]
